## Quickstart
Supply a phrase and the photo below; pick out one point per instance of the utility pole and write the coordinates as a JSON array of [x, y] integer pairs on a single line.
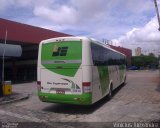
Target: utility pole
[[157, 11], [4, 57]]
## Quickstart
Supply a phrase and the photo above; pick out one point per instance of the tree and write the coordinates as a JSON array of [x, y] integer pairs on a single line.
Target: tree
[[151, 54], [145, 61]]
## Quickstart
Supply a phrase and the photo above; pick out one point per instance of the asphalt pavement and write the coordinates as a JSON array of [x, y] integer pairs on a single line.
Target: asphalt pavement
[[137, 101]]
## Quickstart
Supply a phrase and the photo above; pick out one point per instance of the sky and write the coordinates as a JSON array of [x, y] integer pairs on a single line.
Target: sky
[[126, 23]]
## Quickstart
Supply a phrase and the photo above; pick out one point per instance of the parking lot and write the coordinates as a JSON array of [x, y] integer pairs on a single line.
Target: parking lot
[[137, 100]]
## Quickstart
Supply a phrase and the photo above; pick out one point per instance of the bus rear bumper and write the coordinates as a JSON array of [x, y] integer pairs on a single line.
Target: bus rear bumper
[[83, 99]]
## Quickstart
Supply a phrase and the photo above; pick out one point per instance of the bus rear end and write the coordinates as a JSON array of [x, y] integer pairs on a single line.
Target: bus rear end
[[60, 72]]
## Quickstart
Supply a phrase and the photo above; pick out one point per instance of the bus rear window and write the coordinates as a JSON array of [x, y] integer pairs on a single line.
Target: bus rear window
[[65, 50], [61, 51]]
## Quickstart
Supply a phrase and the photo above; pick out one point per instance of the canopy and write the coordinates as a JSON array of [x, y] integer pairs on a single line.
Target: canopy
[[10, 50]]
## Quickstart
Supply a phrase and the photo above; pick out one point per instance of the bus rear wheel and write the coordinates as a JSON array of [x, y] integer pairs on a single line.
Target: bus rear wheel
[[125, 80]]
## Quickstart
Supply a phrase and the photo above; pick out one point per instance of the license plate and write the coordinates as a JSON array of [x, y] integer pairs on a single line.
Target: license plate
[[60, 92]]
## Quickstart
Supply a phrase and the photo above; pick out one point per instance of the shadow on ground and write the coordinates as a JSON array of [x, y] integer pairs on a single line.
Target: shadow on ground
[[78, 109], [158, 87], [158, 79]]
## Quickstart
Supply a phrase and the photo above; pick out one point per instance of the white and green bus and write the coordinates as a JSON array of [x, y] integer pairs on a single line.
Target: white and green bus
[[78, 70]]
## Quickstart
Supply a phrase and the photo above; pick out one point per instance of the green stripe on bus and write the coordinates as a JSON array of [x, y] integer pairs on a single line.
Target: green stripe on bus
[[104, 78], [83, 99], [62, 62], [121, 72]]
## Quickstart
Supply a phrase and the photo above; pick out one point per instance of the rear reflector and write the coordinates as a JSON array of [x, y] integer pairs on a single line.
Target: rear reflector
[[38, 82], [86, 87], [86, 84]]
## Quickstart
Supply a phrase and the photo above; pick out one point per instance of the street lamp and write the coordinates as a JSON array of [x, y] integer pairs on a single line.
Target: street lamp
[[3, 58]]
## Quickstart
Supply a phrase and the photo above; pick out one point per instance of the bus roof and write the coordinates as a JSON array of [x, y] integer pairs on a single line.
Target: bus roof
[[105, 46], [69, 38], [79, 38]]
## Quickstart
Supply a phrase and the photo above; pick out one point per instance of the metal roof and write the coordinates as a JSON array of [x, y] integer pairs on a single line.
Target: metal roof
[[10, 50], [26, 33]]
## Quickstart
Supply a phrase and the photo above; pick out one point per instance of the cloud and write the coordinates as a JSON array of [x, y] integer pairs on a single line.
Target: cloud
[[123, 21], [138, 7], [76, 12], [5, 4], [73, 12], [62, 15], [147, 37]]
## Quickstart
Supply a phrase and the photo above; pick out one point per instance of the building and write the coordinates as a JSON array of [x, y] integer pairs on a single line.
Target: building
[[127, 52], [24, 68], [138, 51]]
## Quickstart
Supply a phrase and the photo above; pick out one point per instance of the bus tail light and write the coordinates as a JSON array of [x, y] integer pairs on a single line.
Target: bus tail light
[[86, 87], [39, 85]]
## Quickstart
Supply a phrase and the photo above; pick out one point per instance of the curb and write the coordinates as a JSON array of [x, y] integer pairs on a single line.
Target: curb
[[26, 96]]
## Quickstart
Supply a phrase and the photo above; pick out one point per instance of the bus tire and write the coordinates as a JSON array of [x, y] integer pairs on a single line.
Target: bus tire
[[110, 92], [125, 80]]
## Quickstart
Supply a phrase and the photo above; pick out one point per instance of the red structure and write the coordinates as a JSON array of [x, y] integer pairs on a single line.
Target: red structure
[[24, 68], [125, 51], [19, 32]]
